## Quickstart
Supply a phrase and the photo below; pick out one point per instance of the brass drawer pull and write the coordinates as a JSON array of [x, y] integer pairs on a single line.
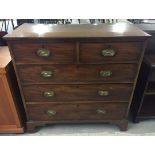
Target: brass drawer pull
[[46, 74], [43, 53], [49, 93], [108, 53], [105, 73], [51, 113], [101, 111], [103, 93]]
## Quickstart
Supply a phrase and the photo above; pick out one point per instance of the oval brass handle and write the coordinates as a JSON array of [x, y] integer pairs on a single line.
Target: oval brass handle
[[49, 93], [105, 73], [51, 113], [43, 53], [103, 93], [46, 73], [108, 52], [101, 111]]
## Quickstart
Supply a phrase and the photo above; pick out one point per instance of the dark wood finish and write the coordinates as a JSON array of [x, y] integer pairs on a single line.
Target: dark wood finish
[[150, 29], [10, 118], [59, 52], [148, 107], [91, 52], [143, 107], [35, 31], [152, 76], [151, 86], [32, 125], [77, 73], [115, 111], [76, 65], [150, 60], [35, 93]]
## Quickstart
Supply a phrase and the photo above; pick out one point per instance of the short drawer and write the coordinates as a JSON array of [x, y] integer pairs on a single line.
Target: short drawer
[[44, 53], [77, 73], [85, 111], [104, 52], [96, 92]]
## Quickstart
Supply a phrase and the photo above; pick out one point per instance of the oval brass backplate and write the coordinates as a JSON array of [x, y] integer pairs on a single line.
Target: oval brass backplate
[[108, 52], [43, 53], [103, 93], [51, 113], [49, 93], [105, 73], [101, 111], [46, 74]]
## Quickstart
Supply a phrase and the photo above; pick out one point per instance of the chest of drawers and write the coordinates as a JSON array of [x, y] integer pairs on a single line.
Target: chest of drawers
[[77, 73]]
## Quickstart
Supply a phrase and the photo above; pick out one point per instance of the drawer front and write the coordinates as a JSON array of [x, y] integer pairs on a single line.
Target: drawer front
[[104, 52], [77, 73], [44, 53], [48, 93], [85, 111]]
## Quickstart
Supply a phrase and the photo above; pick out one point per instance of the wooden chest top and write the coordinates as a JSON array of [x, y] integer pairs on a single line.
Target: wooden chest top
[[76, 31]]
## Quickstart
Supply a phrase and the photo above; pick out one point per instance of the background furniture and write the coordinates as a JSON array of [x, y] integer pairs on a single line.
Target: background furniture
[[143, 106], [63, 21], [4, 28], [10, 120], [70, 77], [150, 29], [144, 97]]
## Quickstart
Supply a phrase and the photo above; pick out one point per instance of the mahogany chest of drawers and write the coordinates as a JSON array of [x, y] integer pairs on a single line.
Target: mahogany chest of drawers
[[77, 73]]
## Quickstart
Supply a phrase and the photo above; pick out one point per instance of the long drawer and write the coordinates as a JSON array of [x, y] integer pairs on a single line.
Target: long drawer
[[44, 53], [85, 111], [105, 52], [95, 92], [77, 73]]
